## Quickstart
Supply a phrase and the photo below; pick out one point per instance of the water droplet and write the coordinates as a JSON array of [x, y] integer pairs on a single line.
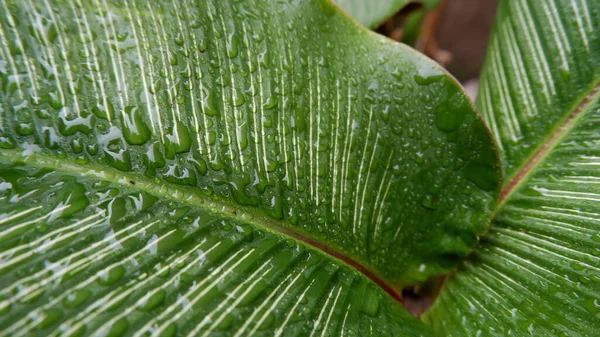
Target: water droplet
[[49, 317], [370, 301], [135, 130], [55, 100], [232, 46], [110, 276], [76, 298], [71, 201], [70, 123], [172, 58], [178, 140], [118, 328], [179, 40], [42, 113], [179, 174], [24, 129], [104, 111], [428, 74], [592, 305], [7, 143], [115, 153], [449, 115], [238, 97], [76, 145], [270, 103], [485, 177], [151, 300]]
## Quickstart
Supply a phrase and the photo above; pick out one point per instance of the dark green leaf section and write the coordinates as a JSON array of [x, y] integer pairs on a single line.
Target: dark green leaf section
[[90, 252], [543, 58], [372, 13], [284, 110], [537, 272]]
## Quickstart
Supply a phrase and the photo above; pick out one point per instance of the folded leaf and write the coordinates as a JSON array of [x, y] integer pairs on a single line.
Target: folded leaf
[[538, 270]]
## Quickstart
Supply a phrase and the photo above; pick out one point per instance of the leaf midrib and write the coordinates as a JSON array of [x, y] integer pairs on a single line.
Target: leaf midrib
[[193, 197], [546, 146]]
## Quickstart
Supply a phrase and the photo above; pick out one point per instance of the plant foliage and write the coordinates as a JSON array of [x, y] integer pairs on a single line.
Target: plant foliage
[[537, 271], [272, 168], [163, 166]]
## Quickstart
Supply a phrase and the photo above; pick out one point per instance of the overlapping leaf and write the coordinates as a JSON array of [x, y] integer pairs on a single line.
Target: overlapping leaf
[[150, 151], [538, 270], [372, 13]]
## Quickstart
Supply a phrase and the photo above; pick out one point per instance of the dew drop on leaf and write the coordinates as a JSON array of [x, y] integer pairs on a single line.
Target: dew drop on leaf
[[135, 130]]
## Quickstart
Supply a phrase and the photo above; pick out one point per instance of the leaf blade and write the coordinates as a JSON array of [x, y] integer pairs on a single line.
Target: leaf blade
[[219, 104], [128, 261], [534, 272], [530, 81]]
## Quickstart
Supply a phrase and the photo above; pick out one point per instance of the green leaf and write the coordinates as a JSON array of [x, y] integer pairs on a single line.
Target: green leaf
[[542, 61], [538, 270], [385, 163], [412, 26], [372, 13], [89, 251], [257, 124]]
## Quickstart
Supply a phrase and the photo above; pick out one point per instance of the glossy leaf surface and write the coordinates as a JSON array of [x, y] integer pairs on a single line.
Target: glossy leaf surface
[[234, 121], [537, 272], [380, 164], [543, 60], [100, 253]]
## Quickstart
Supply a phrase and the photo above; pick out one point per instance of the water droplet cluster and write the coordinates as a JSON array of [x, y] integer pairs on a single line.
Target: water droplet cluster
[[82, 257], [364, 146]]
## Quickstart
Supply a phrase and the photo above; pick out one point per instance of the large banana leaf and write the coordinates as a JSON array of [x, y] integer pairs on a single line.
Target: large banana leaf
[[160, 163], [538, 270]]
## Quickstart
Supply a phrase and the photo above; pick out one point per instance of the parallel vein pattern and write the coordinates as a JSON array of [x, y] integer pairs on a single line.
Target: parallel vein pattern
[[388, 162], [542, 59], [82, 257], [537, 272]]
